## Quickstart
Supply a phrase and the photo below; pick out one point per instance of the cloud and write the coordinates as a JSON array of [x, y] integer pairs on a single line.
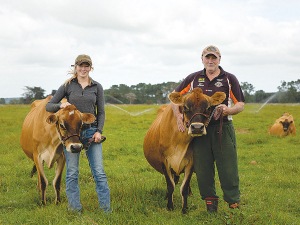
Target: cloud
[[135, 41]]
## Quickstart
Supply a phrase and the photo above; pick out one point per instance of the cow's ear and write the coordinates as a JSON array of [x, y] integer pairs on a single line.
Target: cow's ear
[[52, 119], [217, 98], [87, 117], [176, 98]]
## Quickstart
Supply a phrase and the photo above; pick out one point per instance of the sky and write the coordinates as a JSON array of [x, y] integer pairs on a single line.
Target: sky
[[139, 41]]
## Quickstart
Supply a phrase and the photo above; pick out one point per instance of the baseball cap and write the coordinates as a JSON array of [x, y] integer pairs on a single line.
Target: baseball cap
[[83, 59], [211, 50]]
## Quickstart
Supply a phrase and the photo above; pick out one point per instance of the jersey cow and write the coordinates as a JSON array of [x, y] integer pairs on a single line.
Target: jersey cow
[[283, 126], [168, 150], [43, 136]]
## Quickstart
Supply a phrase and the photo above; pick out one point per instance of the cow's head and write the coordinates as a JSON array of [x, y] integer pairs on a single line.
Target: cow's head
[[286, 119], [68, 124], [196, 108]]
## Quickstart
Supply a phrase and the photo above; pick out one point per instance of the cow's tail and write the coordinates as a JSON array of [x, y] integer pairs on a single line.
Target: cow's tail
[[33, 171]]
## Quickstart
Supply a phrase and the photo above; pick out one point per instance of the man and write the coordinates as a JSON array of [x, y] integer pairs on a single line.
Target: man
[[206, 148]]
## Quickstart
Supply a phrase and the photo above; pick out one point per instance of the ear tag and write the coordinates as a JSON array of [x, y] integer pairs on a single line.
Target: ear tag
[[71, 113]]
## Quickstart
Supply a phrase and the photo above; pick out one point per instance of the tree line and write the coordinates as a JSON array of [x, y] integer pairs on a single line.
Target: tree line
[[288, 92]]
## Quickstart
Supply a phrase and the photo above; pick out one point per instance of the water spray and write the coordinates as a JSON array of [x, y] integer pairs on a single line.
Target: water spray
[[269, 99], [131, 114], [115, 99]]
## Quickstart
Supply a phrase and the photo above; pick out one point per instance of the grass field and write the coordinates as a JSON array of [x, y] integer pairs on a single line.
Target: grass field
[[270, 188]]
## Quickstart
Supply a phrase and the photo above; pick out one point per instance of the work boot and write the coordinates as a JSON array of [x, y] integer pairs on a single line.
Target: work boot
[[234, 205], [212, 204]]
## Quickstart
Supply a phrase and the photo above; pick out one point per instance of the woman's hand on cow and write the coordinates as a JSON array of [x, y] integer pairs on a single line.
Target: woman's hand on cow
[[180, 124], [97, 136], [64, 105]]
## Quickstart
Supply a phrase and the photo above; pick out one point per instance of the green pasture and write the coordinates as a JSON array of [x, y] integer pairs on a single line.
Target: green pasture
[[270, 187]]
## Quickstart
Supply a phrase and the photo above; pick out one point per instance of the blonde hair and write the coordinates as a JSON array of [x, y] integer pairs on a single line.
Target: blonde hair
[[73, 72]]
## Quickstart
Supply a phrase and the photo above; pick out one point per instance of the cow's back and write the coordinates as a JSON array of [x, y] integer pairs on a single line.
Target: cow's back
[[34, 126]]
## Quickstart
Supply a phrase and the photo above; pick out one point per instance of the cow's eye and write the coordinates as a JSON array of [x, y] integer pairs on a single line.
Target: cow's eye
[[185, 109], [62, 126]]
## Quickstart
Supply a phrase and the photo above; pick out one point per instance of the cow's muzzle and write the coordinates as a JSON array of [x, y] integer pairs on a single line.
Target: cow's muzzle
[[197, 129], [74, 148]]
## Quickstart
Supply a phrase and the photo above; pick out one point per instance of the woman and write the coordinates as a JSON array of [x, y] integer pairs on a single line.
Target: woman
[[88, 97]]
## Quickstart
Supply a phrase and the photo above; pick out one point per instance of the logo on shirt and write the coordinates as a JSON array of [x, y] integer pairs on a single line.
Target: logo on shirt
[[218, 84], [201, 79]]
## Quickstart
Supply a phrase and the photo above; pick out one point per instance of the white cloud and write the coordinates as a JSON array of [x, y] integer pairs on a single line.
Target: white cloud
[[135, 41]]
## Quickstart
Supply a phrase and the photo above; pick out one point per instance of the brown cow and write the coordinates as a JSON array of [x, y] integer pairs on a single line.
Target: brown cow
[[168, 150], [43, 136], [283, 126]]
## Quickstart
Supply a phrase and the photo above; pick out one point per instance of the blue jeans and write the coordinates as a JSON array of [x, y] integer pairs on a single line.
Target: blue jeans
[[94, 155]]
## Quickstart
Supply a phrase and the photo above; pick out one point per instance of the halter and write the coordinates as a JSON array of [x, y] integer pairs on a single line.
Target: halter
[[187, 124], [63, 139], [218, 115]]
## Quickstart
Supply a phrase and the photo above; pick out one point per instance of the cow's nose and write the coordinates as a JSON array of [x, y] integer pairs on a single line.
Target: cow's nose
[[197, 128], [76, 148]]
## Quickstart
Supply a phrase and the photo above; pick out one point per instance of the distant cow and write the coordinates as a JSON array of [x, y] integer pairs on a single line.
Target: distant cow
[[168, 150], [43, 136], [283, 126]]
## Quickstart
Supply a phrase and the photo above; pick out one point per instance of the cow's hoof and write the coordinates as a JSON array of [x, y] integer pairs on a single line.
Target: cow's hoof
[[170, 208], [184, 211]]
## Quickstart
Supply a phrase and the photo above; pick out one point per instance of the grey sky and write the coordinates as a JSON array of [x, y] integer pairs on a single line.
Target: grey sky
[[136, 41]]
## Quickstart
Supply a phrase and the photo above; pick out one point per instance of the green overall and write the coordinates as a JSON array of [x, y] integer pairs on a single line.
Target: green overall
[[206, 151]]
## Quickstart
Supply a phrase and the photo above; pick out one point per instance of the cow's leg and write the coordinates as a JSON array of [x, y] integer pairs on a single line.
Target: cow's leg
[[59, 167], [33, 171], [185, 188], [190, 193], [175, 178], [170, 186], [42, 180]]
